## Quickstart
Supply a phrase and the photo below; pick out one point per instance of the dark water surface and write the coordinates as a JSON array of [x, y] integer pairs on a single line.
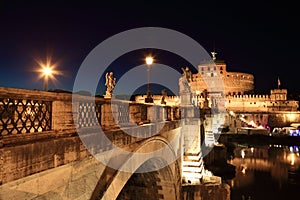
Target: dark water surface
[[265, 172]]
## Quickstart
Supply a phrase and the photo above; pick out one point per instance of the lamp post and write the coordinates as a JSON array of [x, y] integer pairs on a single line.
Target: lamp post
[[47, 71], [149, 61]]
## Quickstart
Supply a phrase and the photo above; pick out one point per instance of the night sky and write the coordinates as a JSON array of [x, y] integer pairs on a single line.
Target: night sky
[[255, 37]]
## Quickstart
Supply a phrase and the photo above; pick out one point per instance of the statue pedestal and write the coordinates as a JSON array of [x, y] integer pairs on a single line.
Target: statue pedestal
[[108, 95], [149, 99]]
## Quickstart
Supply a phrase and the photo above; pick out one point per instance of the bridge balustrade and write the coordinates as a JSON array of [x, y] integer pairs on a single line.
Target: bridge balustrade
[[31, 111], [39, 130]]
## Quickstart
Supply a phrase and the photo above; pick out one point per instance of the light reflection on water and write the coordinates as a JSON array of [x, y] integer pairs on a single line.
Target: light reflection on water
[[265, 172]]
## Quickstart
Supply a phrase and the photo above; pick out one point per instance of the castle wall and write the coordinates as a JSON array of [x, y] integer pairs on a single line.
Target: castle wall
[[238, 83], [230, 82], [259, 103], [247, 103], [214, 77]]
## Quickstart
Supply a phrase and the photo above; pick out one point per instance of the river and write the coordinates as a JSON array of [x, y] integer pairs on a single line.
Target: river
[[264, 172]]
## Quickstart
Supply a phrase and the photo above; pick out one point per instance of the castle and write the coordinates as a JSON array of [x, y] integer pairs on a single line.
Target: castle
[[236, 87], [236, 91]]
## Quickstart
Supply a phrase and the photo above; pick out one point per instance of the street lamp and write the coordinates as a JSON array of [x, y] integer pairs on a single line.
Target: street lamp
[[149, 61], [47, 72]]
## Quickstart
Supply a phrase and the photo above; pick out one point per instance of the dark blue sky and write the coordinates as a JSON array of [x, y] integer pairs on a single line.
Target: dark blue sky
[[261, 38]]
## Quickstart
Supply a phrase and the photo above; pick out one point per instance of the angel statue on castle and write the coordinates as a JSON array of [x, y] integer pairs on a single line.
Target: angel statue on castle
[[110, 84]]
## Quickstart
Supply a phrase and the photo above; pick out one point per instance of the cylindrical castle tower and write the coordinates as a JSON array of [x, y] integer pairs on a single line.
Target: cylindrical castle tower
[[214, 77]]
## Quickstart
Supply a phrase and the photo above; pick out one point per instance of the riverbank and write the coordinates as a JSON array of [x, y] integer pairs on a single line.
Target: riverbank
[[258, 139]]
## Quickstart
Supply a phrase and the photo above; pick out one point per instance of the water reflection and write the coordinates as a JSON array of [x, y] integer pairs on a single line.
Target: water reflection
[[265, 172]]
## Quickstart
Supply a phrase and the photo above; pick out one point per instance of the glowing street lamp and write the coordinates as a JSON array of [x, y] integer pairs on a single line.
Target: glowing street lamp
[[47, 71], [149, 61]]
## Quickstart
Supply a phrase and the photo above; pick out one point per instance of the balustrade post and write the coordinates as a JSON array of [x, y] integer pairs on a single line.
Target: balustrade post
[[151, 113], [62, 115], [135, 113], [109, 113]]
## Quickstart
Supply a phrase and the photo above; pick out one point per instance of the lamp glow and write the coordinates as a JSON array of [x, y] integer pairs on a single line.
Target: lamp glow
[[47, 71], [149, 60]]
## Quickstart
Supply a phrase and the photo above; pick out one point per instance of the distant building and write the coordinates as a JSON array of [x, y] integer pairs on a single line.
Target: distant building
[[236, 87], [276, 101], [214, 77]]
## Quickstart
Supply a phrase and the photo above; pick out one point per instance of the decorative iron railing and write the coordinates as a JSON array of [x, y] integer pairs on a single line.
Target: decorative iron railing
[[19, 116], [123, 111], [89, 114]]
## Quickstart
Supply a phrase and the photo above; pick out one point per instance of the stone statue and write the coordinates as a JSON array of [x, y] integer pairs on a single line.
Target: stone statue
[[214, 55], [187, 74], [164, 94], [110, 83], [205, 96]]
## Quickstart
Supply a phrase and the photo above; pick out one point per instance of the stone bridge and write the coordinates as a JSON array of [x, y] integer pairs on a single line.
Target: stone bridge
[[50, 148]]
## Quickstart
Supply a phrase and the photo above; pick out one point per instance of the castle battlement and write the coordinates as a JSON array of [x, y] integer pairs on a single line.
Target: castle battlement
[[254, 97]]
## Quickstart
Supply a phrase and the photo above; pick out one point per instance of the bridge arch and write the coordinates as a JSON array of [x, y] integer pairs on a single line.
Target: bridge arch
[[160, 184]]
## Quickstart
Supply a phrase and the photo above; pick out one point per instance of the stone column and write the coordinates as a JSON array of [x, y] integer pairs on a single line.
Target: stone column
[[109, 115]]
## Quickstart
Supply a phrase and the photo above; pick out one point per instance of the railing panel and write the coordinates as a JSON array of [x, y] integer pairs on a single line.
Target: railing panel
[[89, 114], [19, 116]]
